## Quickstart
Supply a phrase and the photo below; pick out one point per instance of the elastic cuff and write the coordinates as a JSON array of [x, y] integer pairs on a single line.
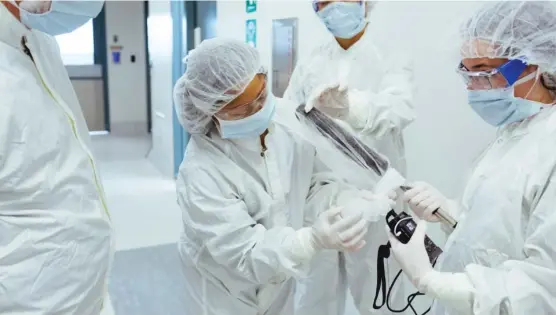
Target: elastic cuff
[[453, 289], [303, 248]]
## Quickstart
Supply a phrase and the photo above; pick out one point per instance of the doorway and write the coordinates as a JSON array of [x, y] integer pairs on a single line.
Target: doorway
[[193, 22]]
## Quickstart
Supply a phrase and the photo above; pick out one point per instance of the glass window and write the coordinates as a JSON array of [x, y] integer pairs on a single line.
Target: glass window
[[77, 47]]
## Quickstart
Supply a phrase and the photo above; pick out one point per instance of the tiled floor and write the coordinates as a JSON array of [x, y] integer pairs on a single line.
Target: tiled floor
[[147, 223], [148, 281]]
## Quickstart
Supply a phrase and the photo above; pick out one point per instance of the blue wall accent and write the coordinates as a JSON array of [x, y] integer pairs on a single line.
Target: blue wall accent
[[178, 68], [99, 42]]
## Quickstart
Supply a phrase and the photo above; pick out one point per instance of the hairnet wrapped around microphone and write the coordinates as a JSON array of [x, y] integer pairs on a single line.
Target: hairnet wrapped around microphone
[[353, 160], [346, 155]]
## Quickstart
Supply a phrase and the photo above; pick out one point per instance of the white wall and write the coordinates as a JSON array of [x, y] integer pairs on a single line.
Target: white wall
[[231, 23], [447, 136], [160, 50], [127, 92]]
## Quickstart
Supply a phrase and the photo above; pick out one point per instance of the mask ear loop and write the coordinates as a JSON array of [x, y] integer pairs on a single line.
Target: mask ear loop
[[536, 75], [533, 75]]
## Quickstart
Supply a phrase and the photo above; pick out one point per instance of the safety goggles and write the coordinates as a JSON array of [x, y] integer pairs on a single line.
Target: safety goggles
[[247, 109], [319, 4], [504, 76]]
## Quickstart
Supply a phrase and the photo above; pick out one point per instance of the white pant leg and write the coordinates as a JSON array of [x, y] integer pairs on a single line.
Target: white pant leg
[[202, 297], [323, 291]]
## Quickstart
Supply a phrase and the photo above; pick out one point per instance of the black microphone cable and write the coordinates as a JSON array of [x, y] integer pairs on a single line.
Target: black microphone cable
[[383, 254]]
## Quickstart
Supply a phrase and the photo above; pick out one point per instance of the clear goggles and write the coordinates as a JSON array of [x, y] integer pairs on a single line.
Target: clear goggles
[[319, 4], [247, 109], [504, 76]]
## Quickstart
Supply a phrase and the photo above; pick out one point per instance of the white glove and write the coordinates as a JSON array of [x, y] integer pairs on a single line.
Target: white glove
[[423, 199], [335, 229], [454, 289], [373, 206], [332, 100], [413, 257]]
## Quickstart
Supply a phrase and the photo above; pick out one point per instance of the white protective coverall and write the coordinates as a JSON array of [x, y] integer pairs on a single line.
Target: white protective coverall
[[55, 234], [504, 241], [380, 92], [380, 101], [240, 207]]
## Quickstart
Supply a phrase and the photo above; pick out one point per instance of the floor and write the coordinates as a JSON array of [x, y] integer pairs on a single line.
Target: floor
[[145, 277]]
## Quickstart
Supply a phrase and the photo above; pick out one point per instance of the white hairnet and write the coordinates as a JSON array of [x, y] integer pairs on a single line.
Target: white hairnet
[[524, 30], [216, 73], [370, 6]]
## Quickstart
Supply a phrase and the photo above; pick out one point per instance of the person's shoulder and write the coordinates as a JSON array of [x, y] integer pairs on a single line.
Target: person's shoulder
[[208, 168], [286, 117], [205, 153], [317, 55], [540, 142], [196, 165], [16, 83], [284, 105], [46, 39], [202, 149], [543, 126], [285, 111]]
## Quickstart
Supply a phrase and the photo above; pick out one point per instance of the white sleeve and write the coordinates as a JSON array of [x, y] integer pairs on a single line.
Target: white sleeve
[[524, 286], [246, 253], [390, 108], [295, 91], [516, 286], [324, 191]]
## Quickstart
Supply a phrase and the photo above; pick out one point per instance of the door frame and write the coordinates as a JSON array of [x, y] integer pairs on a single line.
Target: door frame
[[100, 58], [186, 18], [148, 68], [181, 137]]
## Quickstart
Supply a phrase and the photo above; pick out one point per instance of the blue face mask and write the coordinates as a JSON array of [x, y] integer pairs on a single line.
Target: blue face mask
[[251, 126], [499, 107], [63, 16], [343, 19]]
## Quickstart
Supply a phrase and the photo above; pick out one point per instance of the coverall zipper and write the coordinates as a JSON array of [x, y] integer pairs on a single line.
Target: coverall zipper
[[57, 99], [263, 143]]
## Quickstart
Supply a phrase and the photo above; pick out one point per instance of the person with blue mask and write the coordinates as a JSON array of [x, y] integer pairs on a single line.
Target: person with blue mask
[[55, 231], [349, 79], [501, 258], [58, 17], [248, 180], [371, 95]]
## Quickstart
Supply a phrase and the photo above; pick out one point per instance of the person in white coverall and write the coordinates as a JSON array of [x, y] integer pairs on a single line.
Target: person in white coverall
[[246, 183], [501, 258], [55, 234], [350, 80]]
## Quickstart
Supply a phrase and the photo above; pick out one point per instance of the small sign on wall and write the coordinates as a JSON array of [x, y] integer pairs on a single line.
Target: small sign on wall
[[116, 52], [251, 32], [250, 6]]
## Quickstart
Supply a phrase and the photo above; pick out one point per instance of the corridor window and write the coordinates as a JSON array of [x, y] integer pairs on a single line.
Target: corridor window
[[77, 47]]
